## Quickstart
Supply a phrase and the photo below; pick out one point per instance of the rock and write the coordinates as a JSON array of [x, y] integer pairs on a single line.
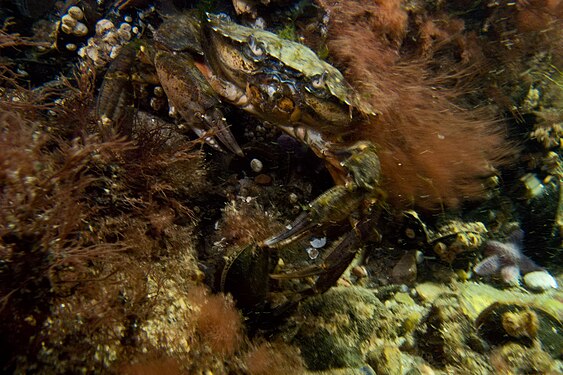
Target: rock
[[404, 298], [263, 179], [405, 270], [386, 361], [359, 272], [540, 281], [338, 328], [256, 165]]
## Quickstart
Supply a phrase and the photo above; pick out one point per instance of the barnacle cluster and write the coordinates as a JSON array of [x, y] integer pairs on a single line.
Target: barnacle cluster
[[454, 238], [71, 22], [107, 42], [549, 131]]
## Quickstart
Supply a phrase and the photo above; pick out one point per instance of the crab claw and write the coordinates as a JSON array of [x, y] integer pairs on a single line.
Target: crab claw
[[188, 91], [332, 266], [333, 206], [217, 124], [338, 203]]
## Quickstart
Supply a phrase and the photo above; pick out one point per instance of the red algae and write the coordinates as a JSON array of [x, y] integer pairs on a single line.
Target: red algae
[[273, 359], [538, 15], [218, 322], [434, 153]]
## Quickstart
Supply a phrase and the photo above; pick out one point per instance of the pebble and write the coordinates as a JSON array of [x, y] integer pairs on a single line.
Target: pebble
[[293, 198], [263, 179], [539, 281], [405, 270], [256, 165], [360, 272]]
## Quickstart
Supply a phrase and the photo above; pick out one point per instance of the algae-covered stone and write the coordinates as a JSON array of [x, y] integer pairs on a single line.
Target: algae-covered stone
[[337, 327], [519, 359], [386, 361], [523, 323], [404, 298], [448, 338], [476, 297]]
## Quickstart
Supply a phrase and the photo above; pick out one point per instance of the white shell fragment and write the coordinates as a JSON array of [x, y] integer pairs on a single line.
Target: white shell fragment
[[539, 281], [318, 243], [313, 253], [256, 165]]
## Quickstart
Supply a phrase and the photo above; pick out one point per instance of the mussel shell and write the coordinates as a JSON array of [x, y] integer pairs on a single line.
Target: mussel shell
[[539, 221], [246, 275], [180, 33]]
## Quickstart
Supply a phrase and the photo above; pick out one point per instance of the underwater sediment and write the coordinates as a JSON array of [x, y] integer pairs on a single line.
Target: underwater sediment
[[317, 187]]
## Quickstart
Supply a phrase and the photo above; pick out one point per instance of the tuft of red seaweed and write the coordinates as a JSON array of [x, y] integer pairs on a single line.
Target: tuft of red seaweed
[[84, 215], [434, 152], [274, 359]]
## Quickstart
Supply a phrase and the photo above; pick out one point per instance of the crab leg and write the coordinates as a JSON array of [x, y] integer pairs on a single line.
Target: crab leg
[[337, 260], [333, 265], [333, 206], [340, 201], [195, 100]]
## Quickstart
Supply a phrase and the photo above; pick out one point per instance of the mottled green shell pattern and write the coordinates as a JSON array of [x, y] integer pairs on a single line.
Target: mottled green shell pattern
[[294, 55]]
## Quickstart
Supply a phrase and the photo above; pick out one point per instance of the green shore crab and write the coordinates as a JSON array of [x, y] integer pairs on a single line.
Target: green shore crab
[[200, 65]]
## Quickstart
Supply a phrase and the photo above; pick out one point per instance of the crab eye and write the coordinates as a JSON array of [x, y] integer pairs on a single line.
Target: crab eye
[[317, 86], [318, 81], [255, 47]]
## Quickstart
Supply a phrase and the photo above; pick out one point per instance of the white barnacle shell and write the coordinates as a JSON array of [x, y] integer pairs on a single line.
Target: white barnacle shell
[[124, 34], [82, 52], [66, 28], [67, 19], [110, 37], [93, 54], [312, 252], [103, 26], [114, 52], [125, 26], [76, 13], [80, 29]]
